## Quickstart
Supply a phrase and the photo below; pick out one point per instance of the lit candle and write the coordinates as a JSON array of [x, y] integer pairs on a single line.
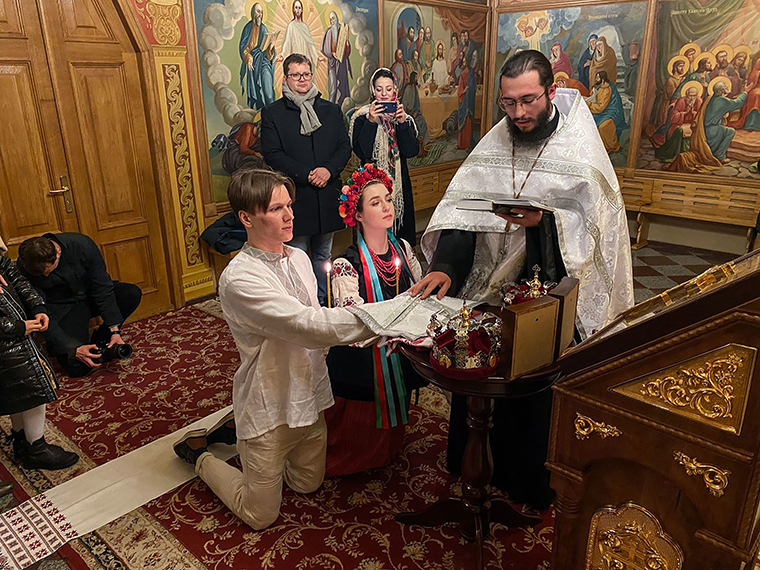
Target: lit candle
[[328, 268], [397, 261]]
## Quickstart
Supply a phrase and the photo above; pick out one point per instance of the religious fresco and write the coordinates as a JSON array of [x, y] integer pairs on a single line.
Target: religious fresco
[[436, 55], [242, 44], [703, 117], [594, 49]]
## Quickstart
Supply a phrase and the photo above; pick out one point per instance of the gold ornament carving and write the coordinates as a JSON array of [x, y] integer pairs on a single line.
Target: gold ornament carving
[[585, 426], [715, 478], [711, 388], [182, 165], [162, 16], [630, 537]]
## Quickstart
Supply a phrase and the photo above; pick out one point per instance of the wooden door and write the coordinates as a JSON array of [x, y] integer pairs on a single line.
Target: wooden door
[[98, 108], [32, 158]]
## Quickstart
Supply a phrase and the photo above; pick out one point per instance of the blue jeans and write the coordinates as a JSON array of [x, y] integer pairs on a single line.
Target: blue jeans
[[319, 248]]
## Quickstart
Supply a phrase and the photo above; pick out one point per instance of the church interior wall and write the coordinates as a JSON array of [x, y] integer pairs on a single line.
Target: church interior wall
[[689, 194]]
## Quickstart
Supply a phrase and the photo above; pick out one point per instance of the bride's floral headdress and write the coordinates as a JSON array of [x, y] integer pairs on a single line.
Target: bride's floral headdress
[[351, 193]]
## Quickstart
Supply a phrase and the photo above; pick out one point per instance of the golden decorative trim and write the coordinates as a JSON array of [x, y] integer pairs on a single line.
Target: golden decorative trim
[[182, 166], [715, 478], [711, 388], [630, 537], [196, 282], [585, 426], [162, 16]]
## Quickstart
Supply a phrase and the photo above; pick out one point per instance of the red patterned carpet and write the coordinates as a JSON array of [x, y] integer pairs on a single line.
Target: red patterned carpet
[[181, 371]]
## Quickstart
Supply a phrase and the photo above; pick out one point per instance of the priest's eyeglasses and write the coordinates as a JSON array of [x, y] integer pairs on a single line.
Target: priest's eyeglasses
[[509, 104], [300, 76]]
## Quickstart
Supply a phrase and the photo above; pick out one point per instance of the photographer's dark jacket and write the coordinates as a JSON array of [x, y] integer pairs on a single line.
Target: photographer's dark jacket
[[80, 277], [26, 377], [295, 155]]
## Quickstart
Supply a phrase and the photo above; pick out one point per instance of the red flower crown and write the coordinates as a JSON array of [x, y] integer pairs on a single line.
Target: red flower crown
[[351, 193]]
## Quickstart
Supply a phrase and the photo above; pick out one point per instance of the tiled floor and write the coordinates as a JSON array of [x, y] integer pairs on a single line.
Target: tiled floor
[[660, 266]]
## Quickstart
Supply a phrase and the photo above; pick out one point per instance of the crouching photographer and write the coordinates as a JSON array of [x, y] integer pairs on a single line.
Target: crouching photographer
[[70, 273]]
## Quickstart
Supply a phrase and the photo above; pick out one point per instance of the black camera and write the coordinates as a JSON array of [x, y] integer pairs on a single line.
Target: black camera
[[109, 353]]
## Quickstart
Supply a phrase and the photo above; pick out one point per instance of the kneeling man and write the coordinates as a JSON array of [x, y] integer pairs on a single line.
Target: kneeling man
[[269, 298]]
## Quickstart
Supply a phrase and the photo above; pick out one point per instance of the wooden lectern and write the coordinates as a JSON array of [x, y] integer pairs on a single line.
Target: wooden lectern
[[656, 432]]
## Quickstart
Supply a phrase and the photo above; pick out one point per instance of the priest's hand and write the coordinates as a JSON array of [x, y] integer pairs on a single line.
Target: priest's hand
[[526, 218], [429, 283]]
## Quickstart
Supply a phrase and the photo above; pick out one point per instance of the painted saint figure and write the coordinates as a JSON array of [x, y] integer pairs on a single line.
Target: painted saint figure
[[682, 123], [606, 105], [337, 71], [440, 74], [718, 135], [466, 92], [604, 60], [560, 61], [257, 69], [298, 38], [585, 61]]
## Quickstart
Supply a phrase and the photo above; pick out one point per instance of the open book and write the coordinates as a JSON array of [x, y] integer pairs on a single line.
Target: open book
[[501, 206], [269, 40]]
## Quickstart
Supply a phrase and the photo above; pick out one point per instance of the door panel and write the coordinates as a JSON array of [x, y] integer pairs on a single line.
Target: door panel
[[31, 148], [100, 95], [109, 145]]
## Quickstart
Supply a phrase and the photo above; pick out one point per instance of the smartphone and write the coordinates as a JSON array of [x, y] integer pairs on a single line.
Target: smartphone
[[388, 107]]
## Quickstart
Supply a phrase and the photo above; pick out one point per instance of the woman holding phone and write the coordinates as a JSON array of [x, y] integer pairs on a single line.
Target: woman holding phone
[[382, 133]]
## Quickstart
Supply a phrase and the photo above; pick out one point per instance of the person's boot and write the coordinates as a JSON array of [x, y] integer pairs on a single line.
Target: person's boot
[[44, 455], [6, 488], [192, 445], [20, 445], [223, 431]]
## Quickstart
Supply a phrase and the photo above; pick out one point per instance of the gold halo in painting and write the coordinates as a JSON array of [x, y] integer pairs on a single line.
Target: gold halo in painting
[[746, 49], [705, 55], [676, 58], [689, 85], [726, 48], [720, 79], [687, 47], [560, 75]]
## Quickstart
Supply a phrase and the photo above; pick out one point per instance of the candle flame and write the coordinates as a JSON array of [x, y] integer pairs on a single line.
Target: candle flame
[[328, 267], [397, 261]]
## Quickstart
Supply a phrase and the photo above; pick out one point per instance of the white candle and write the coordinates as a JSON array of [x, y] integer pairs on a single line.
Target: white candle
[[397, 261], [328, 268]]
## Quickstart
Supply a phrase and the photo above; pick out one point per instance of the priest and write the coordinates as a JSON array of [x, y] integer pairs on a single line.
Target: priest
[[547, 149]]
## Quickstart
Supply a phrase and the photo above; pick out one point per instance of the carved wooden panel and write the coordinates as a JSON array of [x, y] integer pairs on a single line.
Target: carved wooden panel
[[83, 21], [109, 144], [26, 210], [636, 192], [11, 24], [130, 260], [731, 204], [630, 537], [430, 183], [711, 388]]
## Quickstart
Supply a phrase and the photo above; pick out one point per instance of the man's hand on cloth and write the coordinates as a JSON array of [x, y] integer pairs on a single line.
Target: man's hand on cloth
[[428, 284]]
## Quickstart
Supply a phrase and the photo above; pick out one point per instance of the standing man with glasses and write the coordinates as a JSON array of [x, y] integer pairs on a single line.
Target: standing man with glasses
[[546, 149], [304, 137]]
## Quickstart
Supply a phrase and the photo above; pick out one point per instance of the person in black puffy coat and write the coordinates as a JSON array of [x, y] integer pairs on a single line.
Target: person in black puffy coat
[[27, 380]]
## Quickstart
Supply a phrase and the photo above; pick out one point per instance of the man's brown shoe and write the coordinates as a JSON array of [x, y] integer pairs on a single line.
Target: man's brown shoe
[[191, 446]]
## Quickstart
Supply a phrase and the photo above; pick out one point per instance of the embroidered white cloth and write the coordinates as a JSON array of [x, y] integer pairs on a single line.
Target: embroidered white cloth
[[575, 176], [40, 526], [406, 316]]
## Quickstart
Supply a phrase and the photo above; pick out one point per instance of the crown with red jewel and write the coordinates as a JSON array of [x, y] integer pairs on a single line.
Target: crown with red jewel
[[351, 193], [467, 346], [513, 294]]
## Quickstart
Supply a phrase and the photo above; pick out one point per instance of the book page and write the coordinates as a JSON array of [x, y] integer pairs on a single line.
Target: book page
[[340, 44]]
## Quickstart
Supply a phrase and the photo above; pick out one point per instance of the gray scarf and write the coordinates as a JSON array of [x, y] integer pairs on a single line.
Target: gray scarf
[[309, 120]]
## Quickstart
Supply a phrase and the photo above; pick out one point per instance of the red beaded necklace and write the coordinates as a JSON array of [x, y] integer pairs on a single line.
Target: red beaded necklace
[[386, 270]]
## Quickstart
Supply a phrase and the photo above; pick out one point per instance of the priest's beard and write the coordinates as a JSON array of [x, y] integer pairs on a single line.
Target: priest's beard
[[540, 132]]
